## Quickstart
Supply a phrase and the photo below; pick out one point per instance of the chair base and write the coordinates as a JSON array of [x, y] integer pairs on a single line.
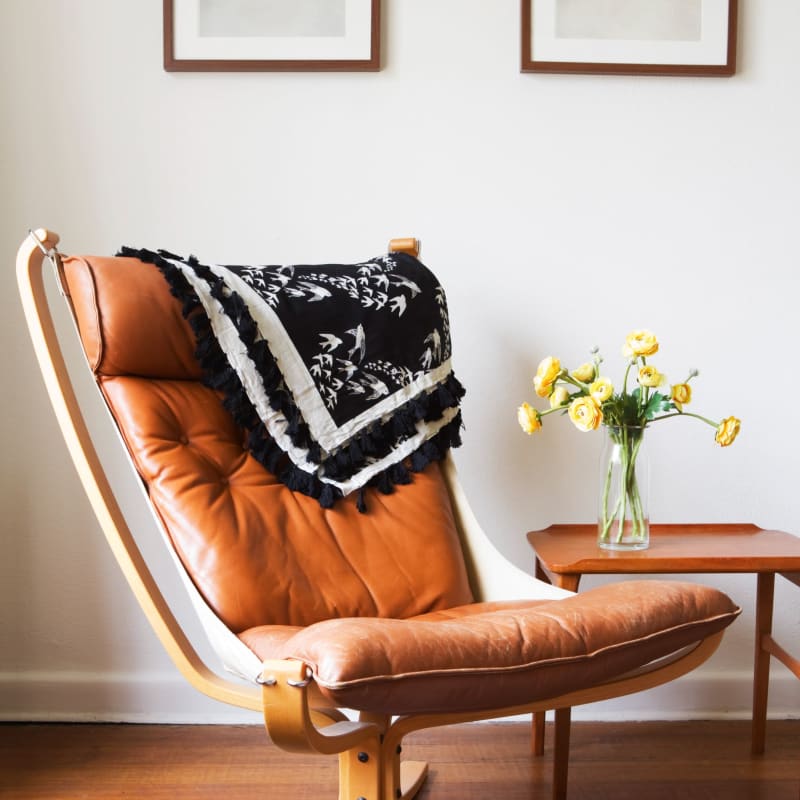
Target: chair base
[[412, 776], [369, 749], [382, 777]]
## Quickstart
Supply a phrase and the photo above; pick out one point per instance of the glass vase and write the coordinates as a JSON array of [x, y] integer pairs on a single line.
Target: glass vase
[[623, 521]]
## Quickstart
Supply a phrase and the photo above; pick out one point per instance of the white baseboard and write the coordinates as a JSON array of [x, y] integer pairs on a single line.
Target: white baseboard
[[112, 697], [167, 699], [701, 695]]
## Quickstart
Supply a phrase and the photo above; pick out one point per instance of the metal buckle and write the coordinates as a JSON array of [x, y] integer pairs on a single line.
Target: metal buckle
[[55, 260], [40, 244]]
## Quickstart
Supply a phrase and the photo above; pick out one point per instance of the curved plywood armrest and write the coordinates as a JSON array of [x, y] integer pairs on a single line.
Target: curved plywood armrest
[[30, 261], [289, 719]]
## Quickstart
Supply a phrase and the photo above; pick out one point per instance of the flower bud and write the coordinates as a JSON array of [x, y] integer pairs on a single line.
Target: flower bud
[[584, 373], [681, 394], [529, 419], [640, 343], [546, 375], [727, 431], [601, 390], [650, 376], [559, 397]]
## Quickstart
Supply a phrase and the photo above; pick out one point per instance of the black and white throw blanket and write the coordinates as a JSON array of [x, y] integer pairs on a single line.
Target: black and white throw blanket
[[340, 373]]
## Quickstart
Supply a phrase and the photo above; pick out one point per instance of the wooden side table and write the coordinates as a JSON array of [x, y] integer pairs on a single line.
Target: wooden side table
[[564, 553]]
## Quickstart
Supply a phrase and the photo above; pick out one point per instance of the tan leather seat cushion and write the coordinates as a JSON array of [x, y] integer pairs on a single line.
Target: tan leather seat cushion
[[498, 655]]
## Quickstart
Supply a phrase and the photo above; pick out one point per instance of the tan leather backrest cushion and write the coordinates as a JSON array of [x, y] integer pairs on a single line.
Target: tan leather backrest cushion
[[129, 322], [259, 553]]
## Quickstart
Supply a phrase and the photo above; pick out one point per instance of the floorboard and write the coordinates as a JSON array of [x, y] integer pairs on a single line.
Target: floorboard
[[609, 761]]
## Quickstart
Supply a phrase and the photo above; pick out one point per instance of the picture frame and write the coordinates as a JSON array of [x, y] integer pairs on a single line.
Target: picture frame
[[628, 37], [271, 35]]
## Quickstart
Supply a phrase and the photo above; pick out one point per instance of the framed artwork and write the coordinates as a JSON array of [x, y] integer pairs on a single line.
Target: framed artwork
[[629, 37], [278, 35]]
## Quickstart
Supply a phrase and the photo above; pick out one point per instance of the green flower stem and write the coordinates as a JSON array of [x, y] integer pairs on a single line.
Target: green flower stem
[[551, 411], [632, 490], [567, 378], [687, 414], [624, 485], [625, 379], [644, 394], [608, 519]]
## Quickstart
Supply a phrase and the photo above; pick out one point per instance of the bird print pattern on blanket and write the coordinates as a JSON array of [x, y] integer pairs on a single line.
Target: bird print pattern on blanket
[[358, 362]]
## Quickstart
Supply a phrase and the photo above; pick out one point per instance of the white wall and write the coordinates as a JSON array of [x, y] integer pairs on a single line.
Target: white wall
[[559, 212]]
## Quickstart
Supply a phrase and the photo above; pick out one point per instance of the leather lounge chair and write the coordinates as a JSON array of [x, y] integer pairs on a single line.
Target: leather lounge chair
[[405, 617]]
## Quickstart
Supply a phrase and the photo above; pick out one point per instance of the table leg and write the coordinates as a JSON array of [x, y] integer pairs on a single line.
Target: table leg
[[764, 603], [569, 582], [537, 733], [539, 572]]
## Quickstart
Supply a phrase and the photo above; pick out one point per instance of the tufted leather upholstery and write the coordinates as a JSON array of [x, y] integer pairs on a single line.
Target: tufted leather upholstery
[[258, 553], [379, 605]]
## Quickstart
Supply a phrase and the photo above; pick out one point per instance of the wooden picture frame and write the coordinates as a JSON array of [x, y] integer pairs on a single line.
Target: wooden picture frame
[[664, 37], [280, 36]]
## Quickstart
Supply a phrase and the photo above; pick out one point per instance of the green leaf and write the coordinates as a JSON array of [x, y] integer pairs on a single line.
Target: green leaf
[[658, 404], [622, 409]]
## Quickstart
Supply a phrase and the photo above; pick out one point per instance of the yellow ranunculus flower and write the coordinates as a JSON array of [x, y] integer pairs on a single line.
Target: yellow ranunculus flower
[[585, 413], [591, 400], [529, 418], [681, 394], [640, 343], [584, 373], [727, 431], [601, 390], [650, 376], [559, 397], [546, 374]]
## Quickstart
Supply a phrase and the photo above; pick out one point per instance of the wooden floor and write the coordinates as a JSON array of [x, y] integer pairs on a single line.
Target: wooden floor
[[641, 761]]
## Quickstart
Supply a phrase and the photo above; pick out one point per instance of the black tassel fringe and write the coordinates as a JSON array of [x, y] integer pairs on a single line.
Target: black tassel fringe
[[373, 443]]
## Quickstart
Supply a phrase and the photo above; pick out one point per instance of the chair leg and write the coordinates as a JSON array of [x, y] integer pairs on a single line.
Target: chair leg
[[361, 771], [370, 772], [561, 753], [373, 769]]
